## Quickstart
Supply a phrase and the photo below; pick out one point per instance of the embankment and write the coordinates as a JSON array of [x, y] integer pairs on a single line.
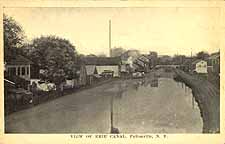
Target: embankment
[[207, 97]]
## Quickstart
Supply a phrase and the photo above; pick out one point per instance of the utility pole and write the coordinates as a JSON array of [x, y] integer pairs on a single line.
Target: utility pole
[[113, 130], [191, 62], [110, 51], [111, 113]]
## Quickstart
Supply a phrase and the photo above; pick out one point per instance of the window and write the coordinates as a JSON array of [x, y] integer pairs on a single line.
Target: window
[[23, 70], [18, 71], [28, 71]]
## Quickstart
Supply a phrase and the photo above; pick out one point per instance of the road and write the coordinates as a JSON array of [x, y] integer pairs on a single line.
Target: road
[[140, 106]]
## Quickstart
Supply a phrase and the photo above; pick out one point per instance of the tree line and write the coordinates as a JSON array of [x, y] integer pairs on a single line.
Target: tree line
[[55, 55]]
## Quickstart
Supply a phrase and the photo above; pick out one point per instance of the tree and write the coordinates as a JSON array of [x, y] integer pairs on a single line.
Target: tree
[[56, 56], [202, 55], [13, 37]]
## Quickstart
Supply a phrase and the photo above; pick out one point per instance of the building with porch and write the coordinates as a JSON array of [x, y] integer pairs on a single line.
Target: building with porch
[[18, 66]]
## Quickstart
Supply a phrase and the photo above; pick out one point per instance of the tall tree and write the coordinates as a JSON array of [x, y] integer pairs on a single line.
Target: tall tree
[[54, 55], [202, 55], [13, 37]]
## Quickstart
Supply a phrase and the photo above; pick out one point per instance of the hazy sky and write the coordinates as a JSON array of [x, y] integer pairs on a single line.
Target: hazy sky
[[165, 30]]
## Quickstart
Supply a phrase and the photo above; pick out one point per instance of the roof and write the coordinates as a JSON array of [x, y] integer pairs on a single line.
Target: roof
[[144, 58], [19, 60], [101, 60], [90, 69], [197, 61], [214, 56]]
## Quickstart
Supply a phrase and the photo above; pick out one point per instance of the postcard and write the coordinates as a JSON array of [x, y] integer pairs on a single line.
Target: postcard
[[112, 72]]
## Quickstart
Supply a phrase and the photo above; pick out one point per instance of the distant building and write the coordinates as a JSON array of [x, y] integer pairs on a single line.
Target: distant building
[[187, 64], [165, 60], [199, 66], [104, 64], [179, 59], [153, 59], [143, 63], [214, 62], [127, 60]]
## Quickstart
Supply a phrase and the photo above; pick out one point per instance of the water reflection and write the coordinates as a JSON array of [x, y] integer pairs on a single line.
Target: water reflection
[[146, 82], [156, 104], [155, 82], [188, 91]]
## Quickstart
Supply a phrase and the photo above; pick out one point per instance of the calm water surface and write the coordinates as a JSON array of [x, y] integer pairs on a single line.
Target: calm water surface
[[155, 105]]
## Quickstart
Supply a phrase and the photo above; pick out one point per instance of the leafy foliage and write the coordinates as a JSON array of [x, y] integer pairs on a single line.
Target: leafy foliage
[[56, 56], [13, 37], [202, 55]]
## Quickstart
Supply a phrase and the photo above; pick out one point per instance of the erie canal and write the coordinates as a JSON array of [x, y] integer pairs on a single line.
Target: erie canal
[[154, 104]]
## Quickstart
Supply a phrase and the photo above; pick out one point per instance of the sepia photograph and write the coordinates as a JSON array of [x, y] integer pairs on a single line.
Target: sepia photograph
[[111, 70]]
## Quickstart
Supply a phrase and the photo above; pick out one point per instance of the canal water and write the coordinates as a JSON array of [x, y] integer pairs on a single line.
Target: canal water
[[155, 104]]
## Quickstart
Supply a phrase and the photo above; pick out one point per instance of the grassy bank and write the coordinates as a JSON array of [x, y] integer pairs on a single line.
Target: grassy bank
[[207, 97]]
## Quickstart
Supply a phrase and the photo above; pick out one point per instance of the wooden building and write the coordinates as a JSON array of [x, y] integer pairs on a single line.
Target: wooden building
[[104, 64]]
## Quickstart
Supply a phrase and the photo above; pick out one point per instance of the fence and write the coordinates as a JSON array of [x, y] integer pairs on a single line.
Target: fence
[[14, 103]]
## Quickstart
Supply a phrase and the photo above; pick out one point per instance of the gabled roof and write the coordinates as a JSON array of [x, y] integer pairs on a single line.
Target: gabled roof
[[19, 60], [214, 56], [144, 58], [101, 60], [197, 61], [91, 69]]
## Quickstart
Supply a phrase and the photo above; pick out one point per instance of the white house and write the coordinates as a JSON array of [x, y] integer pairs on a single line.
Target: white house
[[200, 66]]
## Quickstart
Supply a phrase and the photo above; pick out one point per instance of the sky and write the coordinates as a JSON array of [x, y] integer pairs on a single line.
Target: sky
[[167, 31]]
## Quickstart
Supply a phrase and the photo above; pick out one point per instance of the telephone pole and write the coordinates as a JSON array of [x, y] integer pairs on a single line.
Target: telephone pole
[[110, 50]]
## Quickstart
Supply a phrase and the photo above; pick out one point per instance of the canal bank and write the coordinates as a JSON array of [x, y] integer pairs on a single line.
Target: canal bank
[[207, 97]]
